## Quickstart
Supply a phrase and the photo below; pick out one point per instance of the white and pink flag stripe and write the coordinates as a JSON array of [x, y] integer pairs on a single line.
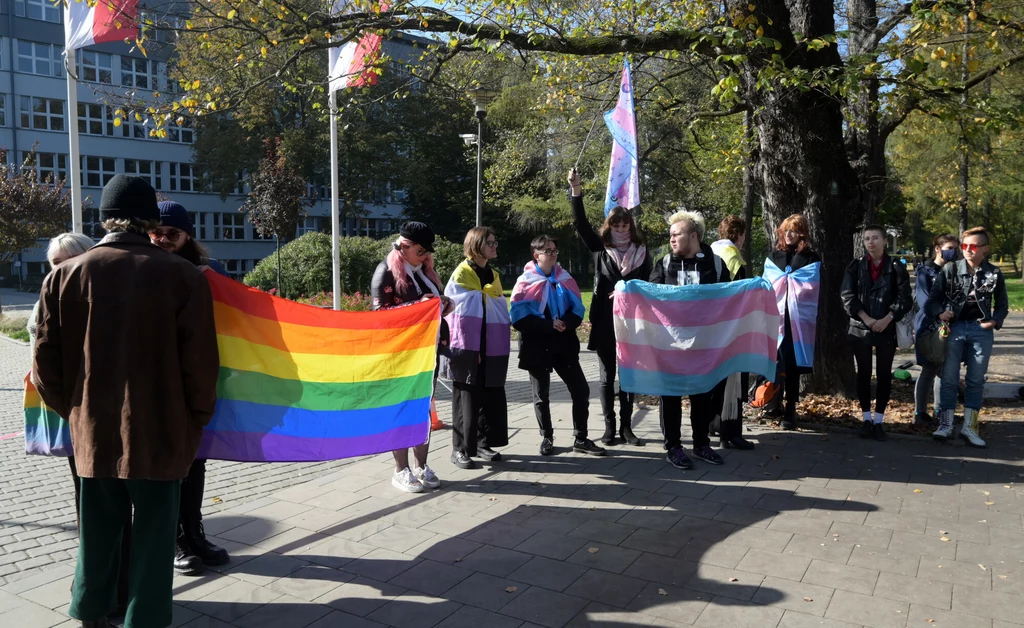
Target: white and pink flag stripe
[[89, 22], [351, 65], [683, 340]]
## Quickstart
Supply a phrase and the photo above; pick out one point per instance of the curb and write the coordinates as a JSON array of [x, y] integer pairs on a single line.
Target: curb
[[14, 341]]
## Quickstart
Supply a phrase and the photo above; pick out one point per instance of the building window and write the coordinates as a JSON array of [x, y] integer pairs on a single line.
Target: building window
[[182, 133], [183, 178], [309, 225], [95, 67], [44, 114], [91, 225], [97, 171], [140, 73], [148, 170], [50, 166], [136, 129], [3, 109], [229, 226], [199, 222], [44, 59], [37, 10], [95, 119], [235, 268]]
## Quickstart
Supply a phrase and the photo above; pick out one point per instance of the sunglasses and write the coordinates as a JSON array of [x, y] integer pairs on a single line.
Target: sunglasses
[[419, 251], [971, 248], [171, 235]]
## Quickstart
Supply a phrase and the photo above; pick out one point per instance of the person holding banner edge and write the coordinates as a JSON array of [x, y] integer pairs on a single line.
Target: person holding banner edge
[[620, 254]]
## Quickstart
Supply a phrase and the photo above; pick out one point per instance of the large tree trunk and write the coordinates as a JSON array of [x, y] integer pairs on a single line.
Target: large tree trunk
[[865, 141], [802, 168]]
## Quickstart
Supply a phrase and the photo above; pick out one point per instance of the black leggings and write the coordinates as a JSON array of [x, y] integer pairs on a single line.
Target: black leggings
[[884, 354]]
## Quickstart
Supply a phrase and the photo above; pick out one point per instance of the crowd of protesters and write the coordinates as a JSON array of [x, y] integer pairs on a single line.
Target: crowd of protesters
[[125, 350]]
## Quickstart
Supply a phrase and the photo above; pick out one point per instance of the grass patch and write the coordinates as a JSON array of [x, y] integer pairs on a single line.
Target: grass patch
[[14, 327], [1015, 291]]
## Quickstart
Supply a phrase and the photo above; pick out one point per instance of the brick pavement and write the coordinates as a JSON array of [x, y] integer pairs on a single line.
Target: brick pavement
[[808, 530]]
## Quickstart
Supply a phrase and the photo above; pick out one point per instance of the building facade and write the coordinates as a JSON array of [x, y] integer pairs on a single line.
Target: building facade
[[33, 113]]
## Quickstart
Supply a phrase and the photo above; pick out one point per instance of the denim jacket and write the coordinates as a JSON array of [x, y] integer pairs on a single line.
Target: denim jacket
[[953, 284]]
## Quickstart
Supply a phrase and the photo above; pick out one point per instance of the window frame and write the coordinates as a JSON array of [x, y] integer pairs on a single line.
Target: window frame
[[27, 119], [54, 58], [90, 60], [102, 174]]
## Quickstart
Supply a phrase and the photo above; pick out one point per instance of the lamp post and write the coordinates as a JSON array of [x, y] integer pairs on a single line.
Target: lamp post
[[481, 97]]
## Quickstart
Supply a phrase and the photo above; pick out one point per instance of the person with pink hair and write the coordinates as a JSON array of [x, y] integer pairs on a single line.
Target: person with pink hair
[[407, 276]]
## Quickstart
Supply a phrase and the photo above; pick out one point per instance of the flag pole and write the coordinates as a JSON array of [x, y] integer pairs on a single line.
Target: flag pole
[[75, 165], [335, 213]]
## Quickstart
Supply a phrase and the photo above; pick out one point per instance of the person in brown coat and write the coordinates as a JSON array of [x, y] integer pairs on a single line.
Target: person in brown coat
[[126, 351]]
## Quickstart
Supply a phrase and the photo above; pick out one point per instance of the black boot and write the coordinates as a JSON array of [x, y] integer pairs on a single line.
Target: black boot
[[732, 436], [789, 421], [626, 432], [609, 432], [191, 518], [209, 553], [185, 562]]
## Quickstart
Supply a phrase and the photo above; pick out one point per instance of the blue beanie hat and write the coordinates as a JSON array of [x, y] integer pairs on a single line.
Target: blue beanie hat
[[175, 215]]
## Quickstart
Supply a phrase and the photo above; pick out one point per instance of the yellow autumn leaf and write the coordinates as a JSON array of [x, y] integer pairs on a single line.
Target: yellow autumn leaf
[[759, 32], [117, 121], [232, 13]]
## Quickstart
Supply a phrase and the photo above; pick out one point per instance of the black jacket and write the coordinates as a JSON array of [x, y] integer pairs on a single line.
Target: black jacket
[[889, 295], [705, 265], [606, 275], [782, 259], [541, 347], [953, 284]]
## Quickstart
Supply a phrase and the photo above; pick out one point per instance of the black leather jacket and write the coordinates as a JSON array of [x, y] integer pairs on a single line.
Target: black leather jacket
[[953, 284], [889, 295]]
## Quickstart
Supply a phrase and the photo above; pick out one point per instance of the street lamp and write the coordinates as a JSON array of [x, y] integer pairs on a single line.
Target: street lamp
[[481, 97]]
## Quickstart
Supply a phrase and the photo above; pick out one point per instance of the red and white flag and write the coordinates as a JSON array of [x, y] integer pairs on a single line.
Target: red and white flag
[[351, 65], [88, 22]]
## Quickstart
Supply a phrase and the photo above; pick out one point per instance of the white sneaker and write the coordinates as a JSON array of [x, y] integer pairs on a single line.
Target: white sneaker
[[945, 426], [969, 431], [404, 480], [427, 477]]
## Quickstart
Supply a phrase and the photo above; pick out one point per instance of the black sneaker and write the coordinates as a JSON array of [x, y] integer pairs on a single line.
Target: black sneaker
[[708, 455], [547, 447], [488, 454], [588, 447], [923, 419], [878, 433], [677, 458], [867, 429], [462, 461]]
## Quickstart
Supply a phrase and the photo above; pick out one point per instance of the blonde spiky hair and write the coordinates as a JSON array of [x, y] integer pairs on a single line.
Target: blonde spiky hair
[[695, 221]]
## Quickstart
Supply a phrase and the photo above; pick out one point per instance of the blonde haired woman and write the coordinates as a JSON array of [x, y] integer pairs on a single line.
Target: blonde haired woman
[[477, 357]]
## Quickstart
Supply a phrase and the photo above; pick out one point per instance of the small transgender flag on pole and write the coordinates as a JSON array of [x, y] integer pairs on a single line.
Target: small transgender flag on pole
[[624, 171]]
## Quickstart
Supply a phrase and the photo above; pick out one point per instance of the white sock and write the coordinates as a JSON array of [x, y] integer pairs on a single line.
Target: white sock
[[879, 416], [867, 417]]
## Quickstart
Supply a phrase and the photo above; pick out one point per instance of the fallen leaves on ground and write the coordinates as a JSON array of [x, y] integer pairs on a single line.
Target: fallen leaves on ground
[[593, 550], [511, 589], [662, 592], [808, 599]]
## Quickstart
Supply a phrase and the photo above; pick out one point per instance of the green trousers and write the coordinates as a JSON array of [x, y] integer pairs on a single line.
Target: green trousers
[[104, 505]]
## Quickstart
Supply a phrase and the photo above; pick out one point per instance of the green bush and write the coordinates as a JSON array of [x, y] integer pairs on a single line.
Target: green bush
[[306, 264]]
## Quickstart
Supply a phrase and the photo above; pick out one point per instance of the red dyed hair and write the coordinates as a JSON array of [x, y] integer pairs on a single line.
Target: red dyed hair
[[798, 224]]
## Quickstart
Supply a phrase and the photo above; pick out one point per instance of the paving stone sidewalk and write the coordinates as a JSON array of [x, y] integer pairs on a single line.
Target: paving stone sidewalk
[[808, 530]]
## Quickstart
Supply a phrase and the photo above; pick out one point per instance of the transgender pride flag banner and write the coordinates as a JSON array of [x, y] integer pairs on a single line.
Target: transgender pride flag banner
[[683, 340], [797, 290]]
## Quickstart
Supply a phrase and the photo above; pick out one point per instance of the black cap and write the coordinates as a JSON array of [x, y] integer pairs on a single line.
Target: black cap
[[175, 215], [419, 233], [126, 197]]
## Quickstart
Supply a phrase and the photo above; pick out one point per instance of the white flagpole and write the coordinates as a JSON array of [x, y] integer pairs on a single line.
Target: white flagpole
[[335, 213], [74, 166]]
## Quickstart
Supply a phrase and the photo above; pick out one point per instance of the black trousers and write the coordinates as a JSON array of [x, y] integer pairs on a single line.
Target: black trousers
[[787, 355], [572, 374], [126, 540], [608, 363], [190, 516], [702, 411], [479, 417], [885, 352]]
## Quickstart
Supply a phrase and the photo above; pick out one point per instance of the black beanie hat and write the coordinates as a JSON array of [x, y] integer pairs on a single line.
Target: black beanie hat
[[419, 233], [126, 197], [175, 215]]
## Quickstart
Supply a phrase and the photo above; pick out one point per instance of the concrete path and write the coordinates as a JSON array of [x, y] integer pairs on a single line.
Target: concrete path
[[808, 530]]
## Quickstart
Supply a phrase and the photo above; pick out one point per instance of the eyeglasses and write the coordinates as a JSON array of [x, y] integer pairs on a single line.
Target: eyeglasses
[[491, 243], [971, 248], [171, 235], [549, 252]]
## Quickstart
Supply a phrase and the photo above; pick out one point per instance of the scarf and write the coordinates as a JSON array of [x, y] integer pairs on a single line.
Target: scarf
[[417, 271], [534, 292], [626, 253]]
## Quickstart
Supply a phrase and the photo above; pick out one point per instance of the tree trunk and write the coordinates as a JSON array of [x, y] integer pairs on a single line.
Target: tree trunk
[[965, 156], [749, 198], [865, 142], [801, 167], [277, 240]]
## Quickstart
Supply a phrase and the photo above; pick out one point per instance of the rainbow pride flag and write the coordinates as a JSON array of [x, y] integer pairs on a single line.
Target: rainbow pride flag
[[300, 383], [684, 340], [46, 434], [798, 291]]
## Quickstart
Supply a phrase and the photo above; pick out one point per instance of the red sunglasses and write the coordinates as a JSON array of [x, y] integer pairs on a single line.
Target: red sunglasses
[[972, 248]]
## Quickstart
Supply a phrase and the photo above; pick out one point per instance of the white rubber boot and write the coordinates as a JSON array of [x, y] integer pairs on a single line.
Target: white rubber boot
[[945, 430], [969, 431]]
